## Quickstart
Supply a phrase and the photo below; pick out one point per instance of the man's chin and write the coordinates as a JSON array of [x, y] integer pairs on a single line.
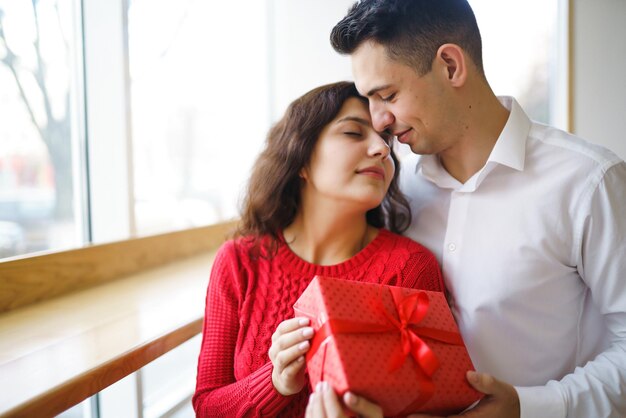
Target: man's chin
[[420, 149]]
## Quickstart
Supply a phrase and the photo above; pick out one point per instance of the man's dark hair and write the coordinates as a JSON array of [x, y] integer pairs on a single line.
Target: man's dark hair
[[410, 30]]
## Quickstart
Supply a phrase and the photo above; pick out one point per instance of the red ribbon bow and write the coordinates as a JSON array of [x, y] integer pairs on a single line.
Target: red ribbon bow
[[411, 310]]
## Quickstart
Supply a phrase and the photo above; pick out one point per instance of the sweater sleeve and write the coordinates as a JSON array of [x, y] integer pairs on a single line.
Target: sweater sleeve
[[423, 272], [218, 393]]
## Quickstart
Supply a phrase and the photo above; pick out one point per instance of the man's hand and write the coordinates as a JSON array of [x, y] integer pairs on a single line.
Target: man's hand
[[289, 344], [323, 403], [500, 401]]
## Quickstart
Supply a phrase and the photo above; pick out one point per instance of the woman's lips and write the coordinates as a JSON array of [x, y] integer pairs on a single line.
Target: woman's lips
[[373, 171]]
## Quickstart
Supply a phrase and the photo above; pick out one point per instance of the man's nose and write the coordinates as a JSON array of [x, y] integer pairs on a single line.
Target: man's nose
[[382, 119]]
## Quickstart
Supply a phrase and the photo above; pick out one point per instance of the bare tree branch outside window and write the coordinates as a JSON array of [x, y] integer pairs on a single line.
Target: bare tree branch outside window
[[49, 113]]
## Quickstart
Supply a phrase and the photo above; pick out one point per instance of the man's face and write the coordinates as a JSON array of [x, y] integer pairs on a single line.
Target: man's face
[[412, 107]]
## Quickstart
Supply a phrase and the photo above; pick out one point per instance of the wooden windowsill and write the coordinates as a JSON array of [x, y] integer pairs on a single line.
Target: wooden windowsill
[[56, 353], [74, 322]]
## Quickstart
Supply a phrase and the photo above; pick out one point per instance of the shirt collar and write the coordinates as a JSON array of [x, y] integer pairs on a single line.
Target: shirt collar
[[509, 150]]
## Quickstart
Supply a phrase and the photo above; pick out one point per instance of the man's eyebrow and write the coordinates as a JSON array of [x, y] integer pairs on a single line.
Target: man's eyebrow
[[377, 89], [354, 119]]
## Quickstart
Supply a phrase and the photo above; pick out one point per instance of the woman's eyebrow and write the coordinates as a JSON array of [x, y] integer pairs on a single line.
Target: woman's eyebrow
[[355, 119]]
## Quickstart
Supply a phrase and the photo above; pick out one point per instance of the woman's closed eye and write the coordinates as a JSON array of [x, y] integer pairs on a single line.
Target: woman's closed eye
[[353, 133]]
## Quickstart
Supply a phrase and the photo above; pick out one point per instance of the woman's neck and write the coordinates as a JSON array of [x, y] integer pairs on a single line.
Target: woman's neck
[[328, 239]]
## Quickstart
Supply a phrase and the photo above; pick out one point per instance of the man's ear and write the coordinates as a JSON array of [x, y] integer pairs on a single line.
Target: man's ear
[[452, 60]]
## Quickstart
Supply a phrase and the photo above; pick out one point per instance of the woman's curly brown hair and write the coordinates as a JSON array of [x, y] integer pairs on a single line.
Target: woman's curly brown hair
[[273, 194]]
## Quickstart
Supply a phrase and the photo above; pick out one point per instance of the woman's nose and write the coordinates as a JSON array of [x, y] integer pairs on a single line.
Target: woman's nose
[[379, 147]]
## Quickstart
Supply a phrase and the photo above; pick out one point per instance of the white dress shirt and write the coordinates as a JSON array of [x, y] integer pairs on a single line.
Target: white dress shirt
[[533, 252]]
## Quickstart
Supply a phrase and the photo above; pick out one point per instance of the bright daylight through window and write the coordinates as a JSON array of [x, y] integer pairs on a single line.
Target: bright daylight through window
[[38, 135]]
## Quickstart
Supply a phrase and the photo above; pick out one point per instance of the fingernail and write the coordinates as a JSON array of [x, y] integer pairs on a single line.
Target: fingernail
[[304, 321], [472, 376], [307, 332], [326, 387], [350, 399], [319, 386], [300, 359], [303, 345]]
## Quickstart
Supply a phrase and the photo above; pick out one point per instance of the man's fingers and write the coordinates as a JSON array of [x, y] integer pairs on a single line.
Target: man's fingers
[[362, 406], [484, 383]]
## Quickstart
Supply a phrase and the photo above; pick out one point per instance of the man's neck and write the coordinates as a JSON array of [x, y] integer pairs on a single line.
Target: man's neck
[[485, 119]]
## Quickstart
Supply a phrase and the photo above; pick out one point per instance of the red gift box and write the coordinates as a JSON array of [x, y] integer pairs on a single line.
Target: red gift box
[[397, 347]]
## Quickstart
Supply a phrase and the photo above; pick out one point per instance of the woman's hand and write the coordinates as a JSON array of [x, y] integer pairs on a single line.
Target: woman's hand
[[324, 403], [289, 344]]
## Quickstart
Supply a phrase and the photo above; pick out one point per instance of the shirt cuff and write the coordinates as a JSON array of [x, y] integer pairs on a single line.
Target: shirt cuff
[[268, 401], [540, 401]]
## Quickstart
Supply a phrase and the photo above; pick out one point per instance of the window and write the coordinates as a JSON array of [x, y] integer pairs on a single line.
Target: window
[[199, 108], [40, 88], [524, 54]]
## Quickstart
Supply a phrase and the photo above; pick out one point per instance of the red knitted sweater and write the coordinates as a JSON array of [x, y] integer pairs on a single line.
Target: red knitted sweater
[[247, 299]]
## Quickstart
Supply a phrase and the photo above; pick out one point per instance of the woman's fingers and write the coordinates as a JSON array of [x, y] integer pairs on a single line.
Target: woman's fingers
[[294, 340], [362, 406], [332, 406], [315, 407], [288, 334], [323, 403], [289, 344], [291, 370], [286, 356], [289, 325]]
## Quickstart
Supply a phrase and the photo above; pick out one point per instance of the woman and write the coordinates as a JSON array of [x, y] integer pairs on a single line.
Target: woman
[[316, 204]]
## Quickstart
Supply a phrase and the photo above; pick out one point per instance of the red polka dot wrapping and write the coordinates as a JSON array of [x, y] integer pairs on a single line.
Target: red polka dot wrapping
[[397, 347]]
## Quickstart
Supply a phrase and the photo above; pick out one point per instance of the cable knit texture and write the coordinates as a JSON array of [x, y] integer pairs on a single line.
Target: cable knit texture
[[247, 299]]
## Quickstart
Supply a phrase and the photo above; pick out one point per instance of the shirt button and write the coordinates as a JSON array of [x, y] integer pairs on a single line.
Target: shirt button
[[451, 247]]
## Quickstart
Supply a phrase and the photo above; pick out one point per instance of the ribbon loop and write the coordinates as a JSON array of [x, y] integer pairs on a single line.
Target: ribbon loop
[[411, 310]]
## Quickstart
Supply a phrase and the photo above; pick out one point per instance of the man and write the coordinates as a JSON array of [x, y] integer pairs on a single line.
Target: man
[[528, 222]]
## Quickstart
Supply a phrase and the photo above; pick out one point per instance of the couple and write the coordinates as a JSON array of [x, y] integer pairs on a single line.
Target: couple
[[527, 222]]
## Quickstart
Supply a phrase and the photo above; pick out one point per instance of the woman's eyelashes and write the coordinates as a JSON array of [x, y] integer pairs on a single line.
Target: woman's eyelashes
[[353, 133]]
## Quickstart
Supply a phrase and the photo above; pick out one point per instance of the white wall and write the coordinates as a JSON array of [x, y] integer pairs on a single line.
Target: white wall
[[302, 58], [599, 76]]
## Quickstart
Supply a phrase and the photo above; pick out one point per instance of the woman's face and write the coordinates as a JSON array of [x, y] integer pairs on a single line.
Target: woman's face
[[351, 162]]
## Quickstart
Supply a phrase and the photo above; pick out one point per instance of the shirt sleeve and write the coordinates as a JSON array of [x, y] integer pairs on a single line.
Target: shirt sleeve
[[218, 393], [595, 389]]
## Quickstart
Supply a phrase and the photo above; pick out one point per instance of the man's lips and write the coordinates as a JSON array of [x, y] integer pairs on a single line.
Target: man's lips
[[402, 136], [373, 171]]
